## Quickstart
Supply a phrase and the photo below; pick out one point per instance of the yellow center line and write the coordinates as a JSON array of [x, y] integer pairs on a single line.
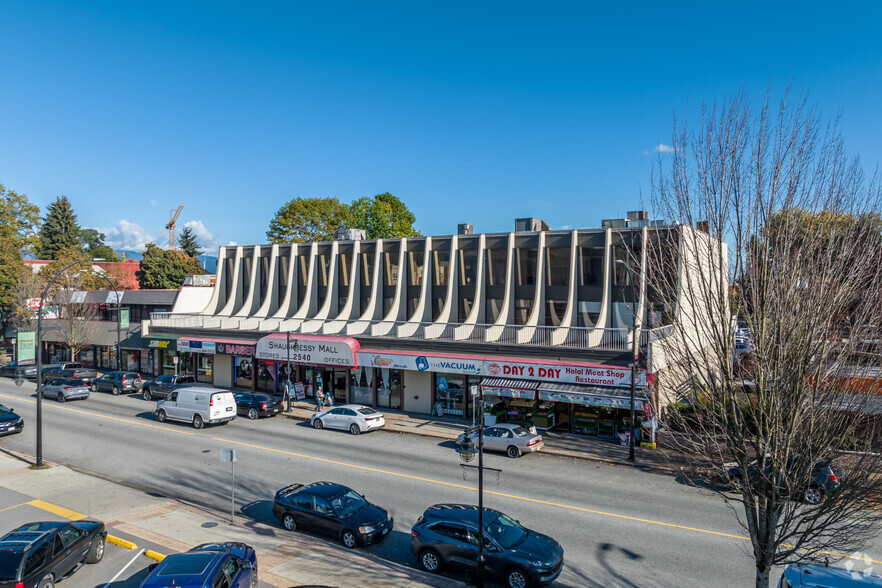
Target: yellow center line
[[431, 481], [14, 506]]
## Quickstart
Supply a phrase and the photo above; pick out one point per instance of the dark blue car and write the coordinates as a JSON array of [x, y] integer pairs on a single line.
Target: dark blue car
[[210, 565]]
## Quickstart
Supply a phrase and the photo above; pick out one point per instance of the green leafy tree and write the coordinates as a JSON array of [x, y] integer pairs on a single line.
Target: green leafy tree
[[93, 245], [18, 219], [308, 219], [188, 243], [383, 217], [161, 269], [60, 230]]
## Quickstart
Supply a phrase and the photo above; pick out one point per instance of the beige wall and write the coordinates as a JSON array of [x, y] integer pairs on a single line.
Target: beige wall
[[417, 384], [223, 371]]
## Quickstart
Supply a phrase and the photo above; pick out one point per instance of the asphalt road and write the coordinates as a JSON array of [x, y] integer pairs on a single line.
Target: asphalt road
[[618, 526]]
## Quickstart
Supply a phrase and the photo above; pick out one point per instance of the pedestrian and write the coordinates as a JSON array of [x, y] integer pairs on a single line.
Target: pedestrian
[[286, 396], [319, 398], [330, 397]]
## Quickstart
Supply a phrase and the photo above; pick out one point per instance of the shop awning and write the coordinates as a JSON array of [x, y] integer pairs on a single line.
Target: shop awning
[[510, 388], [158, 342], [592, 395]]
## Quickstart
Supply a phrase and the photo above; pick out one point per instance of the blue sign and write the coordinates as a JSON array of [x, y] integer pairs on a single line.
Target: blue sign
[[442, 384], [422, 363]]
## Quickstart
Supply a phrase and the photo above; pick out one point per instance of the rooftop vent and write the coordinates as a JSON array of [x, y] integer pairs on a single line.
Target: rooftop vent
[[529, 225], [349, 235], [465, 229], [638, 215]]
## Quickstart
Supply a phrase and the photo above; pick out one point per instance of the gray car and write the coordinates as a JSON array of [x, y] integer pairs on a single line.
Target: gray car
[[62, 389], [117, 382], [512, 439]]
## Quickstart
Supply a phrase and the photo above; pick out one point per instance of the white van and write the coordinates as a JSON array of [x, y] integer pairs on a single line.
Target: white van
[[199, 406]]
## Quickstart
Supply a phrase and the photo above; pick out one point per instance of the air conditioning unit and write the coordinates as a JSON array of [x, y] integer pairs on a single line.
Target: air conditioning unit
[[465, 229], [530, 225], [349, 235]]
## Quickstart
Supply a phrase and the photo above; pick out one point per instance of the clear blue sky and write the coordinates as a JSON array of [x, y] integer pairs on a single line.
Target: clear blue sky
[[468, 111]]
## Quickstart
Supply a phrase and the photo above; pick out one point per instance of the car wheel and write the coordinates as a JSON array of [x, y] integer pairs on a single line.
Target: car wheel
[[93, 387], [254, 583], [60, 397], [252, 414], [737, 483], [147, 396], [96, 550], [354, 429], [517, 578], [430, 561], [318, 424], [348, 539], [289, 522], [198, 423], [161, 416], [46, 582], [813, 495], [115, 391], [513, 451]]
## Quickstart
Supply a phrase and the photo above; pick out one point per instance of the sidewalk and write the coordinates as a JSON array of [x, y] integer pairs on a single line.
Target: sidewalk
[[560, 444], [285, 559]]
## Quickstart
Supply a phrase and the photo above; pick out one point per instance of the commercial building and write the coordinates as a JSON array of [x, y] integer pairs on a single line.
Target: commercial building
[[543, 321]]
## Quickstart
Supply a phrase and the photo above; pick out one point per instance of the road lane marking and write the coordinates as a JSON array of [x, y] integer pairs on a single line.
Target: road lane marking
[[14, 506], [421, 479], [103, 416], [119, 573], [57, 510]]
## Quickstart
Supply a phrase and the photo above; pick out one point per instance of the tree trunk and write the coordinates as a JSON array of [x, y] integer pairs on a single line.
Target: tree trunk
[[762, 576]]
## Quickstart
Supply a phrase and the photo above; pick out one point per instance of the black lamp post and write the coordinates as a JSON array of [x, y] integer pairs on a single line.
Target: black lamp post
[[40, 358], [635, 357], [467, 452]]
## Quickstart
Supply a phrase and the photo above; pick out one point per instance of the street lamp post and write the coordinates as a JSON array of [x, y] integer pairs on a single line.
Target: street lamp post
[[467, 453], [635, 357], [39, 462]]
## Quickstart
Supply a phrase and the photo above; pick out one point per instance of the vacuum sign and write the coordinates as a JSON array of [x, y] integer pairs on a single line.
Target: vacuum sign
[[316, 351], [422, 363]]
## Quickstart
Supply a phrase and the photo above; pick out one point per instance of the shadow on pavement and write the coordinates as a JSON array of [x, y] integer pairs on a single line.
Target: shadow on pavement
[[132, 581]]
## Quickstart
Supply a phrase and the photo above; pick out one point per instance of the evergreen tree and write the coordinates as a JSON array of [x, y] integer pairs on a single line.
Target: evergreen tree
[[94, 246], [188, 243], [161, 269], [60, 230]]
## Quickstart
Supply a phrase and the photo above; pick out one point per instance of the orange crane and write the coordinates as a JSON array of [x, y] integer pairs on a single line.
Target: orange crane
[[171, 229]]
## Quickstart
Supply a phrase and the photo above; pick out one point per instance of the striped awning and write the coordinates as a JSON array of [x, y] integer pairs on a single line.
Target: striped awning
[[510, 388], [592, 395]]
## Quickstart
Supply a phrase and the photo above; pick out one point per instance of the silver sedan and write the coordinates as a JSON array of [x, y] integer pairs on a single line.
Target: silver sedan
[[512, 439], [62, 389], [354, 418]]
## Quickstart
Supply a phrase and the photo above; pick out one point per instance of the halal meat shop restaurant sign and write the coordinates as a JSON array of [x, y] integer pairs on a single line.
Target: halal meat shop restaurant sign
[[591, 375], [327, 351]]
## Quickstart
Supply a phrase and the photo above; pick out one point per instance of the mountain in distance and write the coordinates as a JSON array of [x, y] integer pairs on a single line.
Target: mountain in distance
[[209, 262]]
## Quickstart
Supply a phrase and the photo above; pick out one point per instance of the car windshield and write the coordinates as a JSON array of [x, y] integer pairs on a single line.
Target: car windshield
[[4, 408], [347, 503], [505, 531], [367, 410], [520, 432]]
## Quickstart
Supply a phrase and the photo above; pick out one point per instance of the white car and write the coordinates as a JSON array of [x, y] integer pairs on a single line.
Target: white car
[[354, 418]]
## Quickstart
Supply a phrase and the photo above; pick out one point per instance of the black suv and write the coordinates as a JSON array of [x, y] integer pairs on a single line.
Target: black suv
[[332, 509], [117, 382], [37, 555], [812, 489], [162, 386], [447, 535]]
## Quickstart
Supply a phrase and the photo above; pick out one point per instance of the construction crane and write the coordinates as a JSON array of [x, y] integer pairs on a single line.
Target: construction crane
[[171, 229]]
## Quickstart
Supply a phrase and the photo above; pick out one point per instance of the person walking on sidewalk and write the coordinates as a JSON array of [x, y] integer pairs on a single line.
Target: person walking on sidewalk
[[319, 398]]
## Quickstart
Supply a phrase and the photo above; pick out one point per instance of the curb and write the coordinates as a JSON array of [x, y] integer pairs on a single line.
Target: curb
[[154, 555], [121, 542]]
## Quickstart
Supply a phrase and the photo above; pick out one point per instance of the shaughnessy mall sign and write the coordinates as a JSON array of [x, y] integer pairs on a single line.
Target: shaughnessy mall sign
[[309, 350]]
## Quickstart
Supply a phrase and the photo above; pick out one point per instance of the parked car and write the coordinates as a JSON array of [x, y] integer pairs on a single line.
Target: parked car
[[26, 371], [118, 382], [354, 418], [62, 389], [199, 406], [334, 510], [446, 535], [805, 575], [257, 405], [9, 421], [8, 370], [162, 386], [210, 565], [67, 369], [40, 554], [512, 439], [823, 482]]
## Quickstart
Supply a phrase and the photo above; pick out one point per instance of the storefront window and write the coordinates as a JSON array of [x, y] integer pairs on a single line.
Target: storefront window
[[168, 362], [87, 357], [130, 360], [335, 385], [309, 382], [244, 372], [266, 376], [204, 368], [450, 392], [361, 387], [389, 388]]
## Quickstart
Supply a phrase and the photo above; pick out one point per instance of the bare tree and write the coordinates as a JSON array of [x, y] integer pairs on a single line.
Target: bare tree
[[787, 239]]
